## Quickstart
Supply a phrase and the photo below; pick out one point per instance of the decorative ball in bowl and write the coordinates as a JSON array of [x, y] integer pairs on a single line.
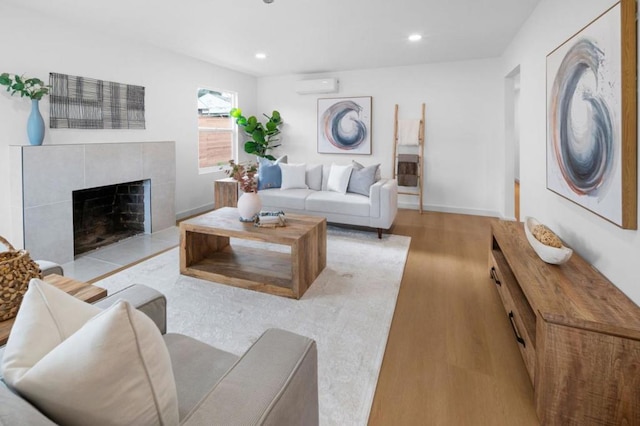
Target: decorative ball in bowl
[[545, 243]]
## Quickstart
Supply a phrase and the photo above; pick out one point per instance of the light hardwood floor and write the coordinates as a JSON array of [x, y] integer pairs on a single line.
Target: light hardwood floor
[[451, 358]]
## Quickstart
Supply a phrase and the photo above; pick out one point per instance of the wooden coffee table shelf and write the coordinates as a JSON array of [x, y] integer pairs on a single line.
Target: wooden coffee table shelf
[[83, 291], [206, 252]]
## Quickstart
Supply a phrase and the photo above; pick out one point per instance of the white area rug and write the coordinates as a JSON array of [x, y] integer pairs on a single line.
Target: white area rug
[[347, 310]]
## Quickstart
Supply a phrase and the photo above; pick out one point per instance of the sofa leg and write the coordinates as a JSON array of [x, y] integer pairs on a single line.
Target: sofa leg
[[379, 233]]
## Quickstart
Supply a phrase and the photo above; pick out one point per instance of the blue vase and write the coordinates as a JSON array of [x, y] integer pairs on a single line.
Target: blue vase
[[35, 124]]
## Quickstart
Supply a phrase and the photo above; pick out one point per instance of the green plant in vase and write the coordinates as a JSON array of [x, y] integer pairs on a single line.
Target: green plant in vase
[[34, 89], [263, 136]]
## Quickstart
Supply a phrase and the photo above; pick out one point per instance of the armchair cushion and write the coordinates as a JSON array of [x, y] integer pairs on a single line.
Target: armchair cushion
[[274, 383], [197, 367], [17, 411]]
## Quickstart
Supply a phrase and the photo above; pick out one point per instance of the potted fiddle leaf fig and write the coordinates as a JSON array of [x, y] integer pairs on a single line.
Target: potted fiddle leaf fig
[[34, 89], [263, 136]]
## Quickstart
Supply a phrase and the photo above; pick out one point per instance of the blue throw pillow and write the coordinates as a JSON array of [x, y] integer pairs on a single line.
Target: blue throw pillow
[[269, 173]]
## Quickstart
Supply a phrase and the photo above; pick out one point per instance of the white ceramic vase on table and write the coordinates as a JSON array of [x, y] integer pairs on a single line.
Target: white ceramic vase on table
[[249, 205]]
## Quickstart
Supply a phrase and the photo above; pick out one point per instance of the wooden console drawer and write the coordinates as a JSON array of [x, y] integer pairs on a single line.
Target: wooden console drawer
[[525, 343], [497, 276], [524, 332]]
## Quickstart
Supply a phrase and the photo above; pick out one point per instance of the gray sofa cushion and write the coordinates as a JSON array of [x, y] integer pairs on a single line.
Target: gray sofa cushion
[[314, 176], [288, 199], [334, 202], [325, 176], [197, 367]]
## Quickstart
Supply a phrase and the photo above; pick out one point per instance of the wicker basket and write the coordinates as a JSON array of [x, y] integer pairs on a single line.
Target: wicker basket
[[16, 270]]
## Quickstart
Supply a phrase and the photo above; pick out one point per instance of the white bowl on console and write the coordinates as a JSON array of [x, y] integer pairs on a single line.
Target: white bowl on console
[[553, 255]]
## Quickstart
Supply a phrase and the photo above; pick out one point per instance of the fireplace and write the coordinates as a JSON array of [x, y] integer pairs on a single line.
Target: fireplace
[[107, 214], [43, 179]]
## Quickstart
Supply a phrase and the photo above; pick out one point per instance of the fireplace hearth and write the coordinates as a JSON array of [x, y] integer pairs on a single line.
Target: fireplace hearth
[[107, 214]]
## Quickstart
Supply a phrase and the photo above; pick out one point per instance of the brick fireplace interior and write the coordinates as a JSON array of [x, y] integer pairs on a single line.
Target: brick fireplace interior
[[107, 214]]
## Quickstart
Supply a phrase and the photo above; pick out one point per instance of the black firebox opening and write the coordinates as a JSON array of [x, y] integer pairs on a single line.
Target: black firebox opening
[[107, 214]]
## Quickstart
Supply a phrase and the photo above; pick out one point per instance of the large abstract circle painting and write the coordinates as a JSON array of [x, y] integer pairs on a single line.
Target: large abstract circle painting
[[344, 125], [585, 152]]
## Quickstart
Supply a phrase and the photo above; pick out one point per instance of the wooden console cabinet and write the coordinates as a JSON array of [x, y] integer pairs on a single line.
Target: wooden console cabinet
[[578, 334]]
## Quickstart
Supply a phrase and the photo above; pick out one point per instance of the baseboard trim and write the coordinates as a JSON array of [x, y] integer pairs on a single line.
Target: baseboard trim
[[450, 209], [193, 212]]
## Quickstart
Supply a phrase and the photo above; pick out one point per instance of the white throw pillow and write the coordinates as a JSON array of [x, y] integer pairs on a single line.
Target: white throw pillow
[[339, 178], [115, 369], [293, 176], [47, 317]]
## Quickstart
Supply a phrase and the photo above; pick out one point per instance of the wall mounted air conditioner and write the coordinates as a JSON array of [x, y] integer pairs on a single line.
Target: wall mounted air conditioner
[[321, 85]]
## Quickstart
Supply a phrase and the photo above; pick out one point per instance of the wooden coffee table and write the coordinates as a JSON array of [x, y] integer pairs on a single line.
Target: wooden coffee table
[[206, 252], [83, 291]]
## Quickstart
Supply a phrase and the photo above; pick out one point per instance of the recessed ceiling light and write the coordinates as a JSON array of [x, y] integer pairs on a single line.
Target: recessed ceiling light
[[415, 37], [261, 55]]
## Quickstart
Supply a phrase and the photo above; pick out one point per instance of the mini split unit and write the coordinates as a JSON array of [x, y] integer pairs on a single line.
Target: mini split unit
[[321, 85]]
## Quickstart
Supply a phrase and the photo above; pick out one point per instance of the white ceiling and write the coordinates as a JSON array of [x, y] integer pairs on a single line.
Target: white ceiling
[[304, 36]]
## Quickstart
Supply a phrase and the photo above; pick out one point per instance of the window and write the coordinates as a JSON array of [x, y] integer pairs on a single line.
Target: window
[[216, 133]]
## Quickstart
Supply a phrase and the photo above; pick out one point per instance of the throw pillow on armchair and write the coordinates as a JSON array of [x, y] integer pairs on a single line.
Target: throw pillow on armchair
[[80, 365]]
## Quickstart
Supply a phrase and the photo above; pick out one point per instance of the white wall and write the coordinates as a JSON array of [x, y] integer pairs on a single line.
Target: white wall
[[463, 124], [35, 45], [614, 251]]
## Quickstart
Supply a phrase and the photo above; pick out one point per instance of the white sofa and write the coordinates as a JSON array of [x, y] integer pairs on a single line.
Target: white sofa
[[378, 210]]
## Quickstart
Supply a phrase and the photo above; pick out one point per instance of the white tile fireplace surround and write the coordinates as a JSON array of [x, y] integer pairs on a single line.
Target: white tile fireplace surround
[[43, 178]]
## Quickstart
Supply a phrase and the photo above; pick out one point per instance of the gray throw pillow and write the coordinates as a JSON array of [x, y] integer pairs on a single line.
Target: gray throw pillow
[[358, 166], [362, 179], [314, 177]]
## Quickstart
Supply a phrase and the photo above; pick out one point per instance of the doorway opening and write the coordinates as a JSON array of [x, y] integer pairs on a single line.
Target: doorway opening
[[512, 144]]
